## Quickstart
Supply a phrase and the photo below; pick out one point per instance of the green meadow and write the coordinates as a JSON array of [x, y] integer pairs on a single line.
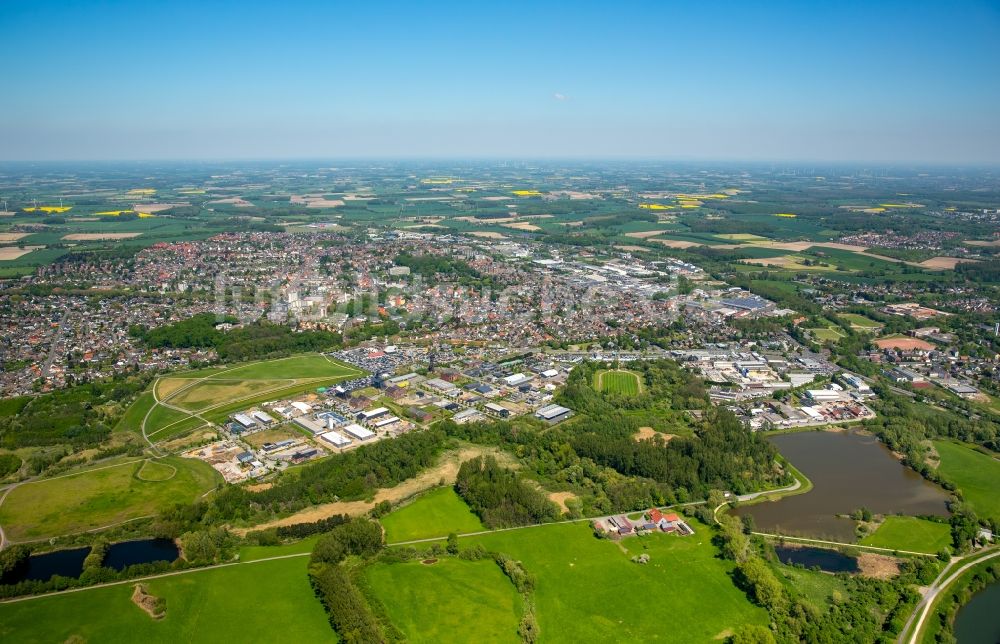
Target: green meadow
[[589, 590], [434, 514], [910, 533], [102, 496], [976, 475], [268, 601], [451, 600]]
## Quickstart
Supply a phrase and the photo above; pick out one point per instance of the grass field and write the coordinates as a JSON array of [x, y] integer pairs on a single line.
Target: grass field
[[816, 586], [860, 322], [589, 590], [910, 533], [976, 475], [218, 392], [101, 496], [449, 601], [826, 334], [618, 382], [433, 514], [270, 601]]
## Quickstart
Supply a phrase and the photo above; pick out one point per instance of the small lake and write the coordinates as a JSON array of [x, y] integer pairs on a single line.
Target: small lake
[[129, 553], [978, 622], [849, 470], [823, 558], [65, 563]]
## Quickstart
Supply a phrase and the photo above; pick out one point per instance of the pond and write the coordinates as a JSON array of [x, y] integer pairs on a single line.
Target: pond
[[66, 563], [849, 470], [823, 558], [129, 553], [978, 622]]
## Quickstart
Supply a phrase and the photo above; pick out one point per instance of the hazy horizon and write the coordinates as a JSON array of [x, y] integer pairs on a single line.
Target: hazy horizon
[[897, 83]]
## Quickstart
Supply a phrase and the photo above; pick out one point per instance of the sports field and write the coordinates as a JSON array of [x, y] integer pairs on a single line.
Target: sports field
[[102, 496], [434, 514], [202, 606], [618, 382], [910, 533], [589, 590], [976, 475], [448, 601]]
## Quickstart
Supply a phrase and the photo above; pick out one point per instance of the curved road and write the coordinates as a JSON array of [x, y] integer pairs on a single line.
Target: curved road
[[926, 603]]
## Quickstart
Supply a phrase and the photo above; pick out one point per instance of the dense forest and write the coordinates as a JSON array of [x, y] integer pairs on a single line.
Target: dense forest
[[249, 342], [499, 497]]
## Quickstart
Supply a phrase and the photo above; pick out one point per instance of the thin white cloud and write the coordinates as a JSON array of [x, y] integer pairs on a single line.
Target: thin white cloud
[[560, 97]]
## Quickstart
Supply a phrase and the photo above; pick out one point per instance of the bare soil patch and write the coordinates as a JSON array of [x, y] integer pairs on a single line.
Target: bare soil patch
[[646, 233], [12, 237], [259, 487], [150, 604], [560, 499], [905, 344], [632, 249], [522, 225], [446, 470], [488, 234], [878, 566], [99, 236], [646, 433], [675, 243], [947, 263], [13, 252]]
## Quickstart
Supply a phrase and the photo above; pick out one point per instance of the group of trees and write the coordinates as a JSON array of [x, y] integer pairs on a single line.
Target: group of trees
[[81, 415], [350, 613], [873, 611], [258, 340], [597, 456], [500, 497]]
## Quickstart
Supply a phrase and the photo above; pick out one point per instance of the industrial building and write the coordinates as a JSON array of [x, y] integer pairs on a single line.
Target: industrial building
[[553, 413], [359, 432]]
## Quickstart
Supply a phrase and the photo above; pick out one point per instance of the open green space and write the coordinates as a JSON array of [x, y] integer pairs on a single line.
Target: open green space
[[211, 392], [451, 600], [269, 601], [860, 322], [618, 382], [434, 514], [589, 590], [826, 334], [816, 586], [302, 546], [294, 367], [910, 533], [976, 475], [101, 497]]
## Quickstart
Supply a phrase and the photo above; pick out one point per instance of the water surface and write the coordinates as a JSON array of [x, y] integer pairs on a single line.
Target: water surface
[[823, 558], [129, 553], [849, 470], [978, 622], [65, 563]]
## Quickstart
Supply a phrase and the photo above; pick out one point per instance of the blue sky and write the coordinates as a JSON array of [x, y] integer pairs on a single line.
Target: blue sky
[[907, 81]]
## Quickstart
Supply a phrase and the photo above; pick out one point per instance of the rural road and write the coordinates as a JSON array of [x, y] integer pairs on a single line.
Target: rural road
[[926, 603]]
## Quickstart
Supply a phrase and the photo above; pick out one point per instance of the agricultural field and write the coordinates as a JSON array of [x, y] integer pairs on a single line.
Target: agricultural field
[[451, 600], [102, 496], [974, 473], [910, 533], [433, 514], [685, 587], [201, 606], [627, 383]]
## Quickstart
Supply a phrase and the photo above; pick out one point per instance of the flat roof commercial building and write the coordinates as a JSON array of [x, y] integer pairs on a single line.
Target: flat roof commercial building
[[336, 439], [359, 432], [553, 413]]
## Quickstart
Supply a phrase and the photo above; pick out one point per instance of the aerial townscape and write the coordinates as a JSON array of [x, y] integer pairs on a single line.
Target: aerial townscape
[[370, 380]]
